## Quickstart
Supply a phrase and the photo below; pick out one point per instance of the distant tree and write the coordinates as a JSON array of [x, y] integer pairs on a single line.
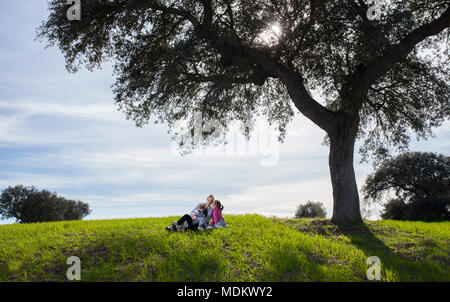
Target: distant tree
[[311, 210], [352, 75], [420, 182], [76, 210], [394, 209], [428, 209], [411, 174], [425, 209], [27, 204]]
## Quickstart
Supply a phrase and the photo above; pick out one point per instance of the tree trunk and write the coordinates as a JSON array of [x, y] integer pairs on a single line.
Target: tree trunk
[[345, 191]]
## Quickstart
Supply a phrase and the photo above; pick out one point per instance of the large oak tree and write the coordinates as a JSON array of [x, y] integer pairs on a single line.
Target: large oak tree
[[355, 78]]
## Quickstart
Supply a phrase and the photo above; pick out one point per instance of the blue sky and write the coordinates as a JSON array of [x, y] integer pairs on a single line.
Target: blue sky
[[62, 132]]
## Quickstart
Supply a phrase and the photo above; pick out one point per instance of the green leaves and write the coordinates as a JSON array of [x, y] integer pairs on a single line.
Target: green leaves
[[27, 204], [412, 174], [175, 58]]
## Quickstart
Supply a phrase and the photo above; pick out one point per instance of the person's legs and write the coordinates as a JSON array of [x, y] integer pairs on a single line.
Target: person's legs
[[193, 227], [221, 224], [186, 218]]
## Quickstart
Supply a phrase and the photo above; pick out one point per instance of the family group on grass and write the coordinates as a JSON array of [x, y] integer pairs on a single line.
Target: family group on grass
[[205, 216]]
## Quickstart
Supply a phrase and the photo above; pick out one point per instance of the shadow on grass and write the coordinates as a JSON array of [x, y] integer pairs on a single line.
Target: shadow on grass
[[394, 266]]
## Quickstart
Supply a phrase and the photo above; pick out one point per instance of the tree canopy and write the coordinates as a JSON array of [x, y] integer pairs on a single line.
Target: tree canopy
[[28, 204], [420, 182], [410, 175], [311, 209], [424, 209], [232, 60], [173, 58]]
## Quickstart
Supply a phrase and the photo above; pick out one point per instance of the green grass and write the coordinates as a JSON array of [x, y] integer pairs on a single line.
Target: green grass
[[253, 248]]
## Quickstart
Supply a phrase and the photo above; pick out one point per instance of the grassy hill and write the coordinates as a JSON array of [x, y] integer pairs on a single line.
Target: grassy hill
[[253, 248]]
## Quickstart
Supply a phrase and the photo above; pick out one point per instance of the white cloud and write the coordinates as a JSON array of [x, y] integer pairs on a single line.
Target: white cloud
[[280, 199], [37, 180], [63, 132]]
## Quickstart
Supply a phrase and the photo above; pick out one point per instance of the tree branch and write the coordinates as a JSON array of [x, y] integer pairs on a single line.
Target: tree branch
[[294, 83], [380, 65], [207, 12], [174, 11]]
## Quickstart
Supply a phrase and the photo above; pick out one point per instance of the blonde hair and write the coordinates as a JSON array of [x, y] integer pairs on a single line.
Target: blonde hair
[[210, 195]]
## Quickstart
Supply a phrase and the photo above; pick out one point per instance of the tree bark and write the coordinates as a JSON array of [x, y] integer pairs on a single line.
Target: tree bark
[[346, 208]]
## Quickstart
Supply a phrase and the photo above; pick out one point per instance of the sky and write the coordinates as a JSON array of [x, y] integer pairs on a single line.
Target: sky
[[62, 132]]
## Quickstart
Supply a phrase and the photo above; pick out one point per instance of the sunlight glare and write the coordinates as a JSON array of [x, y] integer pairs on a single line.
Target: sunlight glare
[[271, 35]]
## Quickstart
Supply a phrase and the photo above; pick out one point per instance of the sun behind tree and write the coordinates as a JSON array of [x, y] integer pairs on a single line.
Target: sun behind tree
[[176, 58]]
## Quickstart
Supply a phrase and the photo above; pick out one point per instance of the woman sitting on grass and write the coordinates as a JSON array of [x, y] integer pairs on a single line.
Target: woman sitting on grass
[[218, 220], [197, 219], [193, 219]]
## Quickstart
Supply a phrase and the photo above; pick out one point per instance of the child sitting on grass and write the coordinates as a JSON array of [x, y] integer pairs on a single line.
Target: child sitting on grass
[[218, 220], [198, 212]]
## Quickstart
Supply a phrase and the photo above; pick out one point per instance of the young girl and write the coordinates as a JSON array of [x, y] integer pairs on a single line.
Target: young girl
[[218, 220]]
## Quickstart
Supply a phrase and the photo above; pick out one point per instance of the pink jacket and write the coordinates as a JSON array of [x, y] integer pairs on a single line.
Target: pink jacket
[[217, 215]]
